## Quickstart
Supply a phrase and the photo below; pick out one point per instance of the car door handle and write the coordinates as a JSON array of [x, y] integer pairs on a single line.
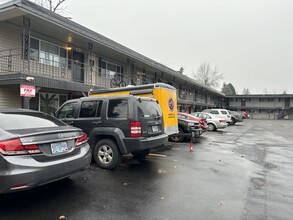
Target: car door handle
[[96, 122]]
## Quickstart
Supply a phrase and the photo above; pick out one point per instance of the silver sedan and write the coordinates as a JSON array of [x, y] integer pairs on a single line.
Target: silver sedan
[[36, 149], [214, 122]]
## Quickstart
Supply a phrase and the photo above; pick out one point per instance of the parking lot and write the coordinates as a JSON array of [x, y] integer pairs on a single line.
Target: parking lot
[[242, 172]]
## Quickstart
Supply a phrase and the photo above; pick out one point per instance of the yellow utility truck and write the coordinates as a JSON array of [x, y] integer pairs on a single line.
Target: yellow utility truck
[[164, 93]]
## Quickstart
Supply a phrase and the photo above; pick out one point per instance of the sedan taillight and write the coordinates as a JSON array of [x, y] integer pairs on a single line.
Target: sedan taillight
[[135, 129], [222, 121], [83, 139], [15, 147]]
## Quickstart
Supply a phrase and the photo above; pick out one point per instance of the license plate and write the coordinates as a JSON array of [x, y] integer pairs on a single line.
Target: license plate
[[155, 128], [59, 147]]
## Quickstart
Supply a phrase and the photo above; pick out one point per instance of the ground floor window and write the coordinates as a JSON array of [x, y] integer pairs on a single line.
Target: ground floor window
[[47, 102]]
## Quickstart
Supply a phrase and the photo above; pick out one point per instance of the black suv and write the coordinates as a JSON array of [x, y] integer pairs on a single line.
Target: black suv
[[116, 125]]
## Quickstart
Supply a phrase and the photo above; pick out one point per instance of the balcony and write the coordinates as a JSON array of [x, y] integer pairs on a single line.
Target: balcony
[[11, 61]]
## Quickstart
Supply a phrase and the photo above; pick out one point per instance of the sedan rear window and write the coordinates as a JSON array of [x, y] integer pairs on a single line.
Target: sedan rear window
[[148, 108], [27, 120]]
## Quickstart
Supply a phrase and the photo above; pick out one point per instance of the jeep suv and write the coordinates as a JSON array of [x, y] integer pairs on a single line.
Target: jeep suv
[[116, 125]]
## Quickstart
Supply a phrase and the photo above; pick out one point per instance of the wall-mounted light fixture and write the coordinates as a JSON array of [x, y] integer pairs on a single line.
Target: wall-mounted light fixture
[[68, 47]]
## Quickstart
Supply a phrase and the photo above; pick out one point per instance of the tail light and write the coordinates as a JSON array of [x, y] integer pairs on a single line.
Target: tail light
[[222, 121], [83, 139], [15, 147], [135, 129]]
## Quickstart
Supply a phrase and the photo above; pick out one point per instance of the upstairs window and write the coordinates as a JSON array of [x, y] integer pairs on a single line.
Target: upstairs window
[[48, 53]]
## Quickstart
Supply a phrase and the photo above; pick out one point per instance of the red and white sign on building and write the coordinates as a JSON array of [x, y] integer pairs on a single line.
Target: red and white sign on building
[[27, 91]]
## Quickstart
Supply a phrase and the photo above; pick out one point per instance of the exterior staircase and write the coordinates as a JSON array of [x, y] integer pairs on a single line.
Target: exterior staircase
[[285, 112]]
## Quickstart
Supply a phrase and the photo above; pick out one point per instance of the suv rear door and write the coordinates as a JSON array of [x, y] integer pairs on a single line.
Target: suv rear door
[[150, 115], [117, 115]]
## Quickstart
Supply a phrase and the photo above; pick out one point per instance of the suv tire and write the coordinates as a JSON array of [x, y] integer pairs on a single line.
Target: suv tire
[[211, 127], [178, 138], [106, 154], [140, 154]]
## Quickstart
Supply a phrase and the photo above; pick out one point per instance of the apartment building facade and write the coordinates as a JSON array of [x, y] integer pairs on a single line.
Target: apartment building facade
[[263, 106], [62, 60]]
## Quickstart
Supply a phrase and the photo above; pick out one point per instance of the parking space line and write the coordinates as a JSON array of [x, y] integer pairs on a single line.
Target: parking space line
[[158, 155]]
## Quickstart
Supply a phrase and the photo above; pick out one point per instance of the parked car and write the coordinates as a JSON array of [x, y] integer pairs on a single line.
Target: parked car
[[235, 117], [202, 122], [36, 148], [187, 129], [221, 113], [214, 122], [116, 125], [245, 115]]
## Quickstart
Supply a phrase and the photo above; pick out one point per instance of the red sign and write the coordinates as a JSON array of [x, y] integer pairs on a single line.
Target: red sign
[[27, 91]]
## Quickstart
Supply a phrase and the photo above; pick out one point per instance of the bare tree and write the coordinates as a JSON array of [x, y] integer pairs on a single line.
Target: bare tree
[[52, 5], [181, 70], [246, 91], [208, 75], [267, 91]]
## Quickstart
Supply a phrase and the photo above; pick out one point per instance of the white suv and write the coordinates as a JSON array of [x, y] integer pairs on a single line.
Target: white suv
[[223, 113]]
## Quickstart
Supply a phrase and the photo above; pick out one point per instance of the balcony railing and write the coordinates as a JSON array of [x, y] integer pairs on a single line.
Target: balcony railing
[[11, 61]]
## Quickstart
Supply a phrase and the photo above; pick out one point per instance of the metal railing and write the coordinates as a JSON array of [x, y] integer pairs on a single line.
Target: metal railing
[[285, 112], [11, 61]]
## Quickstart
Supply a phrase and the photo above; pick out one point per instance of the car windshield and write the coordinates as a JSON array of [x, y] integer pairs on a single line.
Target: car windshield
[[27, 120], [148, 108], [224, 112]]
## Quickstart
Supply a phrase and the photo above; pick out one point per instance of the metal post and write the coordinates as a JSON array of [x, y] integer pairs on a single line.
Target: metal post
[[26, 44], [91, 64]]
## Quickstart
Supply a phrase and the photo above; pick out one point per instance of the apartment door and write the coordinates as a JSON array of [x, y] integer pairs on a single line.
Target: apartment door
[[287, 102], [78, 66]]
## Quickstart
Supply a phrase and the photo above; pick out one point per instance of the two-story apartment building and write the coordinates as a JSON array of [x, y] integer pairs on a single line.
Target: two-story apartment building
[[263, 106], [64, 60]]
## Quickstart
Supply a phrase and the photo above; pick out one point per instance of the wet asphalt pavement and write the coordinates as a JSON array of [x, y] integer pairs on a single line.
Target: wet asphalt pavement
[[242, 172]]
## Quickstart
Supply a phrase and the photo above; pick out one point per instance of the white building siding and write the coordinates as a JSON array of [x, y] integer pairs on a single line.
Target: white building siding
[[10, 36], [9, 97]]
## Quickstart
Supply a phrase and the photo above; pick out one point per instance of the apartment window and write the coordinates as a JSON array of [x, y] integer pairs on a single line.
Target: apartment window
[[47, 53], [109, 69], [47, 102], [270, 99], [34, 50]]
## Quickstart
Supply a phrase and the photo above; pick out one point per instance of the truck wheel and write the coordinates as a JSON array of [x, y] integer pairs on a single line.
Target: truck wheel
[[177, 138], [106, 154], [140, 154], [211, 127]]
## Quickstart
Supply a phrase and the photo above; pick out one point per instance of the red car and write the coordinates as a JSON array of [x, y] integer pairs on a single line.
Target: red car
[[202, 122], [244, 114]]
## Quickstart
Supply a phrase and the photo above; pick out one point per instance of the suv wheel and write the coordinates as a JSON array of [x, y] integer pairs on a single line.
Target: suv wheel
[[211, 127], [177, 138], [140, 154], [106, 154]]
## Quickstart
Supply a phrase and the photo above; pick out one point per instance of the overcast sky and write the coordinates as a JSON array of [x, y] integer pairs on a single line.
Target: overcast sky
[[250, 41]]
